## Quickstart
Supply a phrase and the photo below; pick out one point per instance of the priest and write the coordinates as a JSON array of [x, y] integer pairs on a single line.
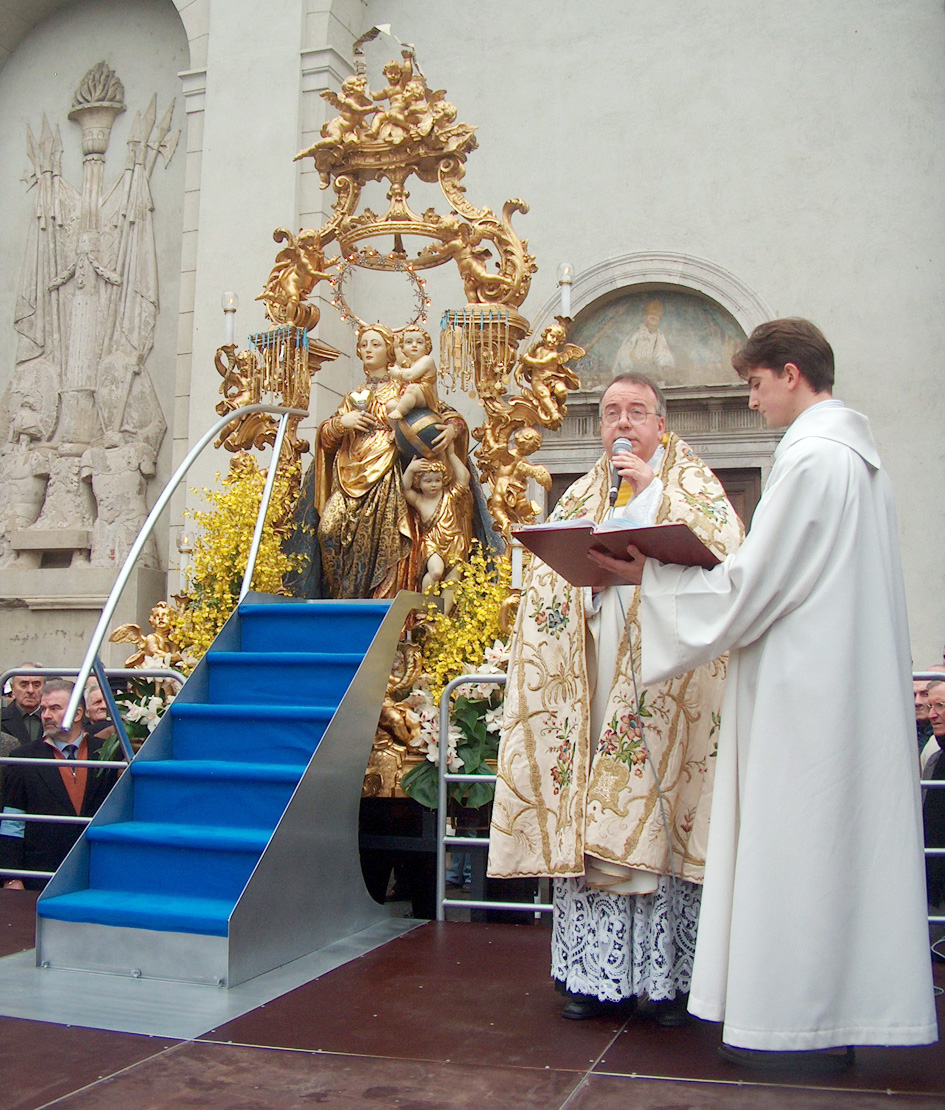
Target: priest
[[604, 782], [812, 937]]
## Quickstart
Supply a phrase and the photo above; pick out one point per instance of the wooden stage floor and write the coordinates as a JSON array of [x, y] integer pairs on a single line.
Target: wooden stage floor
[[450, 1015]]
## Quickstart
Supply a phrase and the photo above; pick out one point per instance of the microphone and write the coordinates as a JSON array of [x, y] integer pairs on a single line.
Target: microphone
[[620, 444]]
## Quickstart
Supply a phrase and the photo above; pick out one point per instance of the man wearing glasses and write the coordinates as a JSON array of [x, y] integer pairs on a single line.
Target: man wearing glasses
[[604, 784]]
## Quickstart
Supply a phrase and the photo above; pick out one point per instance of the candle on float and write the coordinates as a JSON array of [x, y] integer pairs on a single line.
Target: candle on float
[[230, 303], [564, 288]]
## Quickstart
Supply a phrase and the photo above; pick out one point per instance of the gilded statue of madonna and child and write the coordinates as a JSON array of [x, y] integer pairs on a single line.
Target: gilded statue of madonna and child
[[394, 496]]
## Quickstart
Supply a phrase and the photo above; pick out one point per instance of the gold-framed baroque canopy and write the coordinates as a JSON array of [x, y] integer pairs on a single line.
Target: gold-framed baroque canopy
[[392, 133]]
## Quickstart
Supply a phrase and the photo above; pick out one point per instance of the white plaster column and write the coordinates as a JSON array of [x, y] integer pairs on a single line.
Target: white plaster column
[[241, 184]]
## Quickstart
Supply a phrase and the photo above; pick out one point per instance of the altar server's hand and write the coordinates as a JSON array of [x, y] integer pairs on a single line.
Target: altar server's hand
[[629, 570]]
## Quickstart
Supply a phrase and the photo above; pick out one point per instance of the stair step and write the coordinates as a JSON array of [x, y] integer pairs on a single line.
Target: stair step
[[212, 792], [274, 678], [218, 769], [163, 858], [173, 913], [233, 732], [216, 838], [303, 626]]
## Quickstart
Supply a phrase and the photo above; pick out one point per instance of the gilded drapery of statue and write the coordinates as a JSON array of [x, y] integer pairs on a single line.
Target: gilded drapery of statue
[[85, 316]]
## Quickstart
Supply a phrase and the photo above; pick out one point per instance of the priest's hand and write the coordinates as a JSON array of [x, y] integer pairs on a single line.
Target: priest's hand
[[634, 470], [629, 570]]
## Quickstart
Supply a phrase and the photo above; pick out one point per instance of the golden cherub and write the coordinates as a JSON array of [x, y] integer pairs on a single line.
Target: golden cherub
[[544, 377], [348, 126], [156, 643], [298, 268]]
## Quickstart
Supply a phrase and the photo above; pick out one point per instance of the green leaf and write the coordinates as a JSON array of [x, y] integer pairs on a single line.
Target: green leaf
[[479, 794], [471, 755], [422, 784]]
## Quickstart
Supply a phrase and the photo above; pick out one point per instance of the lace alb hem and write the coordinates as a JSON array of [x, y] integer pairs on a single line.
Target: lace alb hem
[[616, 946]]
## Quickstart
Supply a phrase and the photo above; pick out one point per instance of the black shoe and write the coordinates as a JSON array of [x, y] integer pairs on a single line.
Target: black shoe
[[816, 1060], [671, 1013], [580, 1007]]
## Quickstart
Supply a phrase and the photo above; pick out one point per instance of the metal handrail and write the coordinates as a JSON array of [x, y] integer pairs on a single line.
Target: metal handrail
[[932, 784], [112, 672], [445, 777], [263, 509], [27, 761], [101, 674], [148, 527]]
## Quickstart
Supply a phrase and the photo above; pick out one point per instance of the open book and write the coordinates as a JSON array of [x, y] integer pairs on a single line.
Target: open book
[[564, 545]]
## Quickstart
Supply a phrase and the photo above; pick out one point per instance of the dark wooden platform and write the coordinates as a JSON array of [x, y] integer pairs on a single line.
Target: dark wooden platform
[[447, 1016]]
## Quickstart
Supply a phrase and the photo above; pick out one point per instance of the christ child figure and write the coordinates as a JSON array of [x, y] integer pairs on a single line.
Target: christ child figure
[[416, 369], [438, 492]]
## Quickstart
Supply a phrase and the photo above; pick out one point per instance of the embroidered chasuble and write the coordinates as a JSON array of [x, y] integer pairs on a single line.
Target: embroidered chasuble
[[567, 789]]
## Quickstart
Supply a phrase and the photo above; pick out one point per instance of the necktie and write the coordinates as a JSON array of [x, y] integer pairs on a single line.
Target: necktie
[[69, 750]]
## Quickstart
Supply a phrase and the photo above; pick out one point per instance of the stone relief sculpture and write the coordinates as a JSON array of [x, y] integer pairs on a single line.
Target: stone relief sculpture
[[86, 418]]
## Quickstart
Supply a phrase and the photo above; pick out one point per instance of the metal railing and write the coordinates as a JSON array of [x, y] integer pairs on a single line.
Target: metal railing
[[480, 843], [91, 656], [16, 761]]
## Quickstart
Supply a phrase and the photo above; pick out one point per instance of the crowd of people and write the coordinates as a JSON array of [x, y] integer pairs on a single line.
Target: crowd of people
[[30, 728]]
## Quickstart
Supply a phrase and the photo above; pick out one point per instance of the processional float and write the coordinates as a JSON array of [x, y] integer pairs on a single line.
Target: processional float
[[391, 134]]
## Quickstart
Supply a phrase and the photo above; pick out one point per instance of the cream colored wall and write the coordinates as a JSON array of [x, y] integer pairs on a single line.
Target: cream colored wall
[[248, 109]]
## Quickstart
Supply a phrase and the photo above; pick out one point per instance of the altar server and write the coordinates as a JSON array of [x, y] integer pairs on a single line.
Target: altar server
[[812, 933]]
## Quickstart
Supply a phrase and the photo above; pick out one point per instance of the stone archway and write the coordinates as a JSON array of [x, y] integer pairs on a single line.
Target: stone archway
[[704, 312]]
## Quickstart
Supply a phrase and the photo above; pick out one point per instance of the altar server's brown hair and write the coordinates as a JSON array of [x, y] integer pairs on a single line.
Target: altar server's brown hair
[[778, 342]]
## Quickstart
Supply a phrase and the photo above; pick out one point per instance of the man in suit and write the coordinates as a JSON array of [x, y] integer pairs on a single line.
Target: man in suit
[[57, 789], [933, 814], [20, 718]]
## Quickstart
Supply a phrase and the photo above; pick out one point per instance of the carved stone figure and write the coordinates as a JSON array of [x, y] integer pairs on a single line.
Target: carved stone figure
[[23, 476], [119, 477], [87, 307]]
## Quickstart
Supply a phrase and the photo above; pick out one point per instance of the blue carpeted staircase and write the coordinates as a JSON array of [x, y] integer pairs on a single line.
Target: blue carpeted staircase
[[230, 846]]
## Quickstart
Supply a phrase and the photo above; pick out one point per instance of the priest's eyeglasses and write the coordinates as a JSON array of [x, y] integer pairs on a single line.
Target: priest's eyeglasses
[[636, 414]]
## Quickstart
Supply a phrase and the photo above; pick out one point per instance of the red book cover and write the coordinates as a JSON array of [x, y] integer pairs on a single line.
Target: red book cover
[[564, 545]]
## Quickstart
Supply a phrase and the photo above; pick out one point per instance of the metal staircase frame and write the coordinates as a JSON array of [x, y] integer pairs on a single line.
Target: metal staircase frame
[[282, 913]]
